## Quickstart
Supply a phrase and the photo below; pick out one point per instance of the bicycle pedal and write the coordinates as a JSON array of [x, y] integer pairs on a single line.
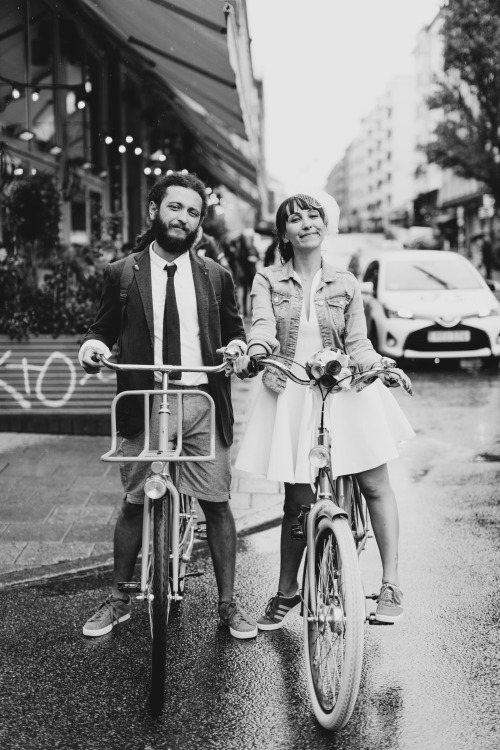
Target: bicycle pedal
[[129, 586], [297, 533], [201, 530], [194, 574], [371, 596]]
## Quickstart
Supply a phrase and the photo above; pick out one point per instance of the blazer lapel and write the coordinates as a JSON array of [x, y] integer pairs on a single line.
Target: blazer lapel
[[205, 295], [142, 271]]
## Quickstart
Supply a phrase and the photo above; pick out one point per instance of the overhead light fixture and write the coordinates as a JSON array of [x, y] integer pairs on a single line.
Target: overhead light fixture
[[162, 157], [108, 140], [157, 171], [35, 95], [137, 150], [87, 165], [26, 135], [129, 138], [88, 86], [81, 104], [15, 93], [147, 170], [55, 150], [19, 171], [103, 174], [122, 148]]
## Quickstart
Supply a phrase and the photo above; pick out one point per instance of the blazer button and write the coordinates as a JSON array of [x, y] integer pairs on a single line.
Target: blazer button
[[136, 267], [276, 298], [320, 302]]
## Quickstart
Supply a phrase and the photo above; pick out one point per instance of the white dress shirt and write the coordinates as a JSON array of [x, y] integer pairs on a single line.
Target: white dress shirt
[[188, 314]]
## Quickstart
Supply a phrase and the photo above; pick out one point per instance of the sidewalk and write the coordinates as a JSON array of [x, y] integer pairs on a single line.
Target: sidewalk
[[59, 502]]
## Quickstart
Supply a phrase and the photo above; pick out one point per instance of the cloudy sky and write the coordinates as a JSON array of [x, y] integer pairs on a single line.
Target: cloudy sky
[[324, 63]]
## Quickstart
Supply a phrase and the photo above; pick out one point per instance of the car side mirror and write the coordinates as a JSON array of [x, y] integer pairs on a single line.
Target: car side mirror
[[368, 288]]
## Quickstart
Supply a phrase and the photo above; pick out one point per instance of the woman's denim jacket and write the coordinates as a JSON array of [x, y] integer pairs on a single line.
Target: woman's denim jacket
[[276, 308]]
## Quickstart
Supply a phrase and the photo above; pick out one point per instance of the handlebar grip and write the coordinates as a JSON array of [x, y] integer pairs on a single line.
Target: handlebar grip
[[254, 366]]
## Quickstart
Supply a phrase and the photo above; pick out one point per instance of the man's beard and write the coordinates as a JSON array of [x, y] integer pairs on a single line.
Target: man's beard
[[174, 245]]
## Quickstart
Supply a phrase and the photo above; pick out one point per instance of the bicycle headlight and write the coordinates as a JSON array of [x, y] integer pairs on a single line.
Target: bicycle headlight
[[155, 486], [319, 456]]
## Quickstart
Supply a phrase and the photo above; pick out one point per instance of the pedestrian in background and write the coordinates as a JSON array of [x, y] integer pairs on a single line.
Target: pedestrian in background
[[301, 306], [487, 256], [203, 323]]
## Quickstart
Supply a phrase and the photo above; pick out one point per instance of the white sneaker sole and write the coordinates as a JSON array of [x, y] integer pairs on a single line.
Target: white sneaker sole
[[389, 618], [278, 625], [107, 629], [243, 635]]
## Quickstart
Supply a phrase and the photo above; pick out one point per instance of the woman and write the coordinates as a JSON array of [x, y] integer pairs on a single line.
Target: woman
[[300, 307]]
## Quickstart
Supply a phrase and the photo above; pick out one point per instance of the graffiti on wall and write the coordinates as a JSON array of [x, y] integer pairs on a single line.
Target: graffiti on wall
[[34, 376]]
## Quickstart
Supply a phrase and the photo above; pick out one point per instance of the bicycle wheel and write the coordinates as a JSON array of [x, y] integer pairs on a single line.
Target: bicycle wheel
[[334, 632], [162, 597]]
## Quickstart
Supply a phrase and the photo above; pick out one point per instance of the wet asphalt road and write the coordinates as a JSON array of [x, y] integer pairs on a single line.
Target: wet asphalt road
[[431, 682]]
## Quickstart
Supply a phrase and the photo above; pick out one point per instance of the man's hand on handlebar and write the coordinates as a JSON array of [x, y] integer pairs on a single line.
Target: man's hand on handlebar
[[91, 362]]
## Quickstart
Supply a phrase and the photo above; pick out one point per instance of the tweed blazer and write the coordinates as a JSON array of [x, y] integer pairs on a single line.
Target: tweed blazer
[[219, 320]]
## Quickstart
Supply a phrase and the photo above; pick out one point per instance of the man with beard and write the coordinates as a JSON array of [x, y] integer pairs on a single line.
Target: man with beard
[[206, 319]]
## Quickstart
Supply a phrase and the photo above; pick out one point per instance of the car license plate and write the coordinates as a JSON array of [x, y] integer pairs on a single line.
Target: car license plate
[[441, 337]]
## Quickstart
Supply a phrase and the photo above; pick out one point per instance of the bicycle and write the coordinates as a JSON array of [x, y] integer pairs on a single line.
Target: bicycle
[[164, 563], [335, 529]]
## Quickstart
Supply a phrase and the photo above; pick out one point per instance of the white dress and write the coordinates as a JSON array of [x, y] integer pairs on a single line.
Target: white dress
[[365, 427]]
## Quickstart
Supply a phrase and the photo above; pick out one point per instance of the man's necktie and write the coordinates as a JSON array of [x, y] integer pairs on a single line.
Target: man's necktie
[[171, 325]]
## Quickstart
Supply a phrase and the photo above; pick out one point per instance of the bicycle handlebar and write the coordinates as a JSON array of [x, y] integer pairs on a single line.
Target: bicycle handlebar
[[258, 362], [160, 368]]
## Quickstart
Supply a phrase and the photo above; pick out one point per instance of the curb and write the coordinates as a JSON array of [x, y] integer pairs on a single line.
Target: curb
[[100, 563]]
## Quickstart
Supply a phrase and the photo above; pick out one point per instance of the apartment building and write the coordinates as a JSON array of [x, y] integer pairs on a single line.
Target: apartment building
[[375, 178]]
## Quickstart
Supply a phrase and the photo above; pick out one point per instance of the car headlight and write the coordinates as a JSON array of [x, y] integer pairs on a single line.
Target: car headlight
[[319, 456], [398, 313], [486, 312]]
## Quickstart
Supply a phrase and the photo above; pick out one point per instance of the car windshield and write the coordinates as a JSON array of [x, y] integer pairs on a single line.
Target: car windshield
[[420, 275]]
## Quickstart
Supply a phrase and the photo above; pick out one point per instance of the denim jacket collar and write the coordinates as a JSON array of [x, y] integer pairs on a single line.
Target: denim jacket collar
[[328, 272]]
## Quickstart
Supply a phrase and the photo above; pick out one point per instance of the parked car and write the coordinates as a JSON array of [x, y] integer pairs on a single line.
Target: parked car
[[430, 304]]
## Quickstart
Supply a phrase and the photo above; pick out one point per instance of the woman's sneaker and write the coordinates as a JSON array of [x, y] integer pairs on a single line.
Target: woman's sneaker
[[278, 609], [110, 613], [389, 604], [240, 624]]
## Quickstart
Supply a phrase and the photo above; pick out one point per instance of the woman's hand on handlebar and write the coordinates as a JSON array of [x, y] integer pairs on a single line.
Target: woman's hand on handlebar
[[243, 367]]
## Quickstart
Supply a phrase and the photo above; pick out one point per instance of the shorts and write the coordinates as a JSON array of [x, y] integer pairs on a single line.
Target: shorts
[[204, 480]]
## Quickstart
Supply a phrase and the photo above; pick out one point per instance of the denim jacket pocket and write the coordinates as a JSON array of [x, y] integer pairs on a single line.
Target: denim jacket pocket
[[281, 305], [336, 306]]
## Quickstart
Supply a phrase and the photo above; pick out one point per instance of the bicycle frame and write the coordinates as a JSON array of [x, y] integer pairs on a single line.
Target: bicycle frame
[[160, 459]]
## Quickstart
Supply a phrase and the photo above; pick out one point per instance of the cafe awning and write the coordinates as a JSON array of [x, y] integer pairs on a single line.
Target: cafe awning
[[185, 43]]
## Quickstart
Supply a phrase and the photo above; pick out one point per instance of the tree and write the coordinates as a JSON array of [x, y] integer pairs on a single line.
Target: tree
[[33, 213], [467, 140]]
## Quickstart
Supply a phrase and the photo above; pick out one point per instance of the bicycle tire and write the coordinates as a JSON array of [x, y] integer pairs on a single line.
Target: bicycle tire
[[162, 598], [334, 659]]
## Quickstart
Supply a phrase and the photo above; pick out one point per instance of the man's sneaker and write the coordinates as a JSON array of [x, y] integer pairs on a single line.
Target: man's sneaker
[[278, 609], [239, 623], [110, 613], [389, 603]]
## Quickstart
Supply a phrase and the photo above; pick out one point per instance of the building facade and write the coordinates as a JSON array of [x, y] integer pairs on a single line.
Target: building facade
[[375, 178], [106, 99]]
